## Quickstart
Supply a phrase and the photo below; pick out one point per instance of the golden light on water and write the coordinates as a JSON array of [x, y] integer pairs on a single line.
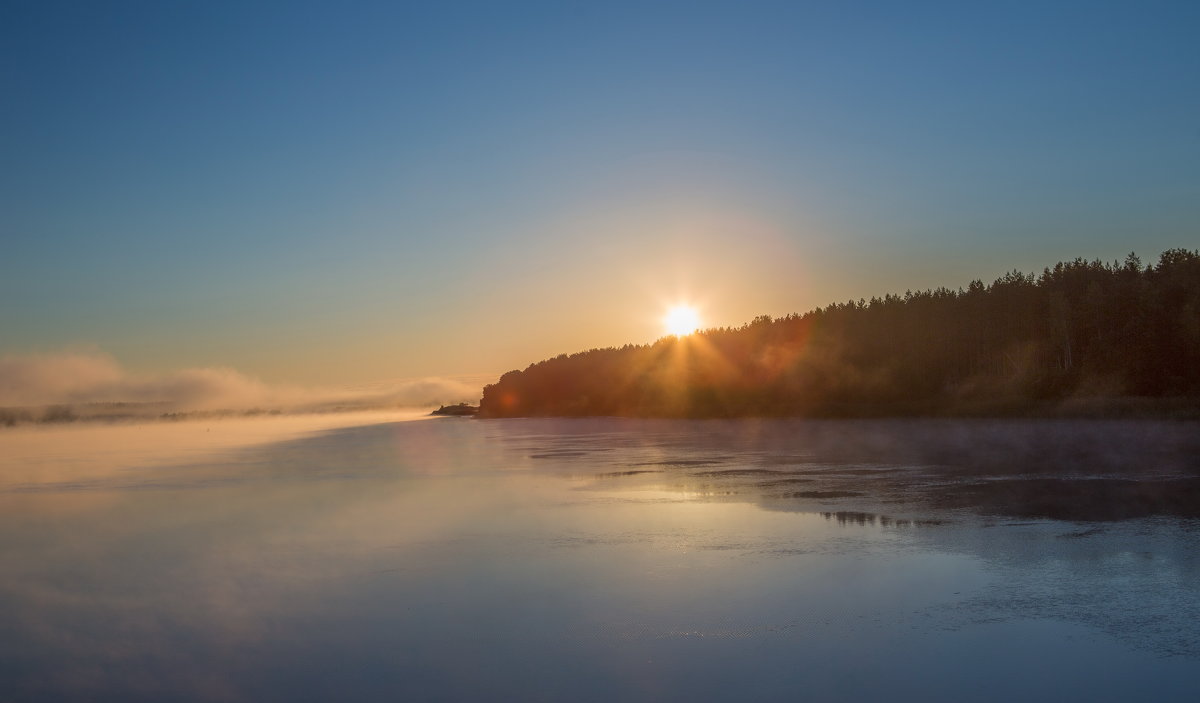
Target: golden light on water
[[681, 320]]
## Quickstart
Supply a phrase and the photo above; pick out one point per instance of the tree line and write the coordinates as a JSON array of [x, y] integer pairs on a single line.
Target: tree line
[[1080, 332]]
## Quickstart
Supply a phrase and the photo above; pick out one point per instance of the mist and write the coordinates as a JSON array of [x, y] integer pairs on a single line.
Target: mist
[[93, 385]]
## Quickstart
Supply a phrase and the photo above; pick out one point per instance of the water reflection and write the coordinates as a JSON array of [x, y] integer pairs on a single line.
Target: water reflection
[[848, 517], [1070, 470], [592, 560]]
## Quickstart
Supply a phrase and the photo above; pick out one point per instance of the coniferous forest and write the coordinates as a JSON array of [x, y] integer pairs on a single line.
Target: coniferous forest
[[1082, 337]]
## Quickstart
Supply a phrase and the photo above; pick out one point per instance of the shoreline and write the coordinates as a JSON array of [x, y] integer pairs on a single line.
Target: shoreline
[[1128, 408]]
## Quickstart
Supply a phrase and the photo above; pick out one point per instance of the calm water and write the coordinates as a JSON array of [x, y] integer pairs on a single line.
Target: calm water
[[604, 560]]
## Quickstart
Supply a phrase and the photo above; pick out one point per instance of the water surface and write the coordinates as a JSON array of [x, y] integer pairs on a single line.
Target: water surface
[[607, 559]]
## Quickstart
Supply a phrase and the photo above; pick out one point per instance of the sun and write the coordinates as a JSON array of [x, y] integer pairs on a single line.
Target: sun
[[681, 320]]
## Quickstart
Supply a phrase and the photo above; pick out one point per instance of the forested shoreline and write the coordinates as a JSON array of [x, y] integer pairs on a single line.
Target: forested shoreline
[[1083, 337]]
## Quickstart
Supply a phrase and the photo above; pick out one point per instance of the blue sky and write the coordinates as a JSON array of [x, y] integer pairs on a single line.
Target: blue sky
[[343, 192]]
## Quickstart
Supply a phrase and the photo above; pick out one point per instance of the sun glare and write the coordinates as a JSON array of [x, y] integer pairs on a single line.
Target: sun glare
[[681, 321]]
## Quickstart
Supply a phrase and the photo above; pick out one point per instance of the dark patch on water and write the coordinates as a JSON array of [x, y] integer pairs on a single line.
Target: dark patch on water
[[1077, 499], [785, 482], [824, 494], [682, 462], [735, 473], [785, 552], [848, 517], [1083, 533], [619, 474], [786, 459]]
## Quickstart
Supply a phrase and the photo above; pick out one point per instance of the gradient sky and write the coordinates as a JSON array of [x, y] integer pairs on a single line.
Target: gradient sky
[[346, 192]]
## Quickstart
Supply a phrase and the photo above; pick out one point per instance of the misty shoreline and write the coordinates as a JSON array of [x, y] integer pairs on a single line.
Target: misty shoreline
[[1116, 408], [1121, 408], [124, 413], [65, 387]]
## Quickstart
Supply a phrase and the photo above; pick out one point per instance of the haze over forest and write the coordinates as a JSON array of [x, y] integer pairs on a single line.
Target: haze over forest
[[1080, 333]]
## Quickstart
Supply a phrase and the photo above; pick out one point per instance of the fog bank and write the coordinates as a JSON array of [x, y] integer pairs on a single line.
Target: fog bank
[[81, 385]]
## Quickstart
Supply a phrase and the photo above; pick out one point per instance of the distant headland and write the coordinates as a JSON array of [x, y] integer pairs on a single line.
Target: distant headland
[[459, 410], [1082, 338]]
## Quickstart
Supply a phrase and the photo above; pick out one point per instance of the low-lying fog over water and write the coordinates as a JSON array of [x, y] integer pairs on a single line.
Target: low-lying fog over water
[[600, 559]]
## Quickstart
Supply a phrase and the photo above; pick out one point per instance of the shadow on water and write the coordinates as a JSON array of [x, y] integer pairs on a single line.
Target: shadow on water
[[850, 517], [1058, 469], [1075, 498]]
